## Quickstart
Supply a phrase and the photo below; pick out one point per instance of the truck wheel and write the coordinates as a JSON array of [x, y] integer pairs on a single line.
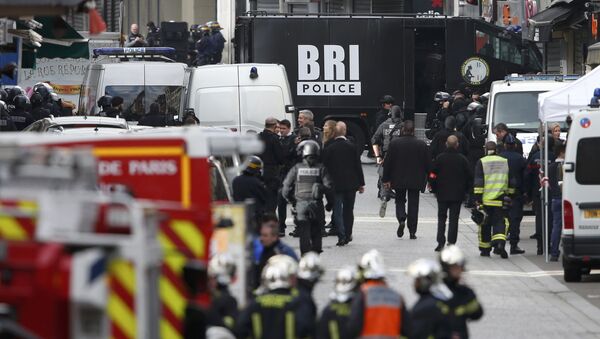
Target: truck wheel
[[572, 272], [359, 136]]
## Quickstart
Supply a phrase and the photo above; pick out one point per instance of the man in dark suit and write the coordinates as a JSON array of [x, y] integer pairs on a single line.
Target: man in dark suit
[[405, 169], [346, 172], [272, 158], [450, 179]]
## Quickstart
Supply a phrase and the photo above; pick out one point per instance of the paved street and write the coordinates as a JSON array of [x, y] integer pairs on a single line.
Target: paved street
[[523, 297]]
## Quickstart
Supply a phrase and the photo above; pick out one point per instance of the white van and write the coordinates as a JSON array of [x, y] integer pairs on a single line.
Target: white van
[[514, 101], [247, 93], [238, 97], [581, 196]]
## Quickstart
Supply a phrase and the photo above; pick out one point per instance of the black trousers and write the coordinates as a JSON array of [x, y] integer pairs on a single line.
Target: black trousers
[[281, 211], [412, 216], [443, 208], [515, 216], [343, 209], [538, 209], [272, 184], [310, 236]]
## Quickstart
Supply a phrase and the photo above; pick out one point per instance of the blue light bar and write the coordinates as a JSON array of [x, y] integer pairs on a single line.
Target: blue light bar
[[127, 51], [541, 77]]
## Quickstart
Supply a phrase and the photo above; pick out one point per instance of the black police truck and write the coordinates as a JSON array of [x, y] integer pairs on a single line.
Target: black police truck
[[339, 66]]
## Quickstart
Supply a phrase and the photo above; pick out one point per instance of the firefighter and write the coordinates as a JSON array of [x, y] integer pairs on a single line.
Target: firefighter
[[20, 114], [384, 315], [223, 308], [304, 187], [381, 140], [204, 46], [6, 123], [310, 271], [491, 188], [249, 185], [335, 315], [217, 42], [278, 312], [463, 305], [430, 316]]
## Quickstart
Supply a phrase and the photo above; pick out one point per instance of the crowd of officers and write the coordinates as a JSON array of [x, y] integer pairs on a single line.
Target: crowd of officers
[[19, 109], [361, 305], [458, 166]]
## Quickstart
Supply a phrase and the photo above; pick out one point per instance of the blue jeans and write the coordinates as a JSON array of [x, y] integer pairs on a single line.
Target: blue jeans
[[556, 227]]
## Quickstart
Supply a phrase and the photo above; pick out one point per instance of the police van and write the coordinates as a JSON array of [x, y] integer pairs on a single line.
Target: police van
[[514, 101], [581, 198], [239, 97]]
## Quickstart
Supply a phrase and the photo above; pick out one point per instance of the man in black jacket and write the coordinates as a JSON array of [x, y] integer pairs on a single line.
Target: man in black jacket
[[346, 172], [272, 158], [154, 117], [502, 132], [405, 169], [249, 185], [438, 144], [287, 139], [386, 103], [450, 178]]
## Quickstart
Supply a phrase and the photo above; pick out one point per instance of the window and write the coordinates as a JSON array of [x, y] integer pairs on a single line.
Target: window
[[137, 99], [518, 110], [492, 46], [587, 167]]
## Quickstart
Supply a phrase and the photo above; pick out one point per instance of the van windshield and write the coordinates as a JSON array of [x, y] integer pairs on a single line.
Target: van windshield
[[518, 110], [137, 99]]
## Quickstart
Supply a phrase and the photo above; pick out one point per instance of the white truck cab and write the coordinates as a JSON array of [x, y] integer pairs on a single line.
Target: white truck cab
[[581, 196], [514, 101], [238, 97]]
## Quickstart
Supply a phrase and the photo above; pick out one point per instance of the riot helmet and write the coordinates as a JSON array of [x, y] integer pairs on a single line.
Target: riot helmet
[[396, 113], [21, 102], [372, 266], [44, 92], [36, 100], [387, 99], [428, 278], [105, 102], [310, 267], [441, 96], [253, 165], [12, 92], [310, 150]]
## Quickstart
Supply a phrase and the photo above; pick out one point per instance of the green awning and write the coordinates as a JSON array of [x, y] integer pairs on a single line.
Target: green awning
[[58, 29]]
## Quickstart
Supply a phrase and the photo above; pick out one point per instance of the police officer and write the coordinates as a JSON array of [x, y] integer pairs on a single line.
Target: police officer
[[105, 104], [45, 91], [154, 117], [278, 312], [204, 46], [464, 305], [272, 157], [310, 271], [38, 111], [304, 187], [116, 108], [20, 115], [381, 140], [516, 168], [387, 101], [12, 92], [492, 187], [384, 315], [430, 316], [223, 309], [6, 123], [249, 185], [475, 132], [334, 318], [217, 42]]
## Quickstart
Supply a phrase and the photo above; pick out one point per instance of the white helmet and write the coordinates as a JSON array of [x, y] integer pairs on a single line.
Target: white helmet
[[221, 267], [428, 278], [452, 255], [345, 282], [279, 272], [372, 265], [310, 267]]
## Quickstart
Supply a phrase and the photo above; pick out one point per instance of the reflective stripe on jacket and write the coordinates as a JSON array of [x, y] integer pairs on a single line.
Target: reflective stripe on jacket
[[491, 179], [383, 311]]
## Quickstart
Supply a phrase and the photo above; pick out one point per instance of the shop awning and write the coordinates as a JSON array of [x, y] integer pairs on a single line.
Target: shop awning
[[562, 14]]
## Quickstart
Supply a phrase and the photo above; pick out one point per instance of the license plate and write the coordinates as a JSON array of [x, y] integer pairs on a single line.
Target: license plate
[[591, 214]]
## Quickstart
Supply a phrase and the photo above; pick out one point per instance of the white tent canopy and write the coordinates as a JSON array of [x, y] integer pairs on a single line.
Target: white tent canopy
[[557, 104]]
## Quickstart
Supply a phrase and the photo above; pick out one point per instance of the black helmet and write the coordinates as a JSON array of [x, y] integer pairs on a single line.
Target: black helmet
[[441, 96], [309, 148], [36, 99], [105, 102], [387, 99], [396, 113], [43, 91], [253, 165], [3, 95], [450, 122], [21, 101], [12, 92]]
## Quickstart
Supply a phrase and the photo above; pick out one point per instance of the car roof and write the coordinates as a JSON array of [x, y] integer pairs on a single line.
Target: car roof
[[87, 120]]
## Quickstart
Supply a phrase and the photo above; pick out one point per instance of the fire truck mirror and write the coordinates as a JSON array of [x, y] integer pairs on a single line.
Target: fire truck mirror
[[195, 277]]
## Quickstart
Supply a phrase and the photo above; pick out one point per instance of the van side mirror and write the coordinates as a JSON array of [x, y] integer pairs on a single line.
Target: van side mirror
[[290, 109]]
